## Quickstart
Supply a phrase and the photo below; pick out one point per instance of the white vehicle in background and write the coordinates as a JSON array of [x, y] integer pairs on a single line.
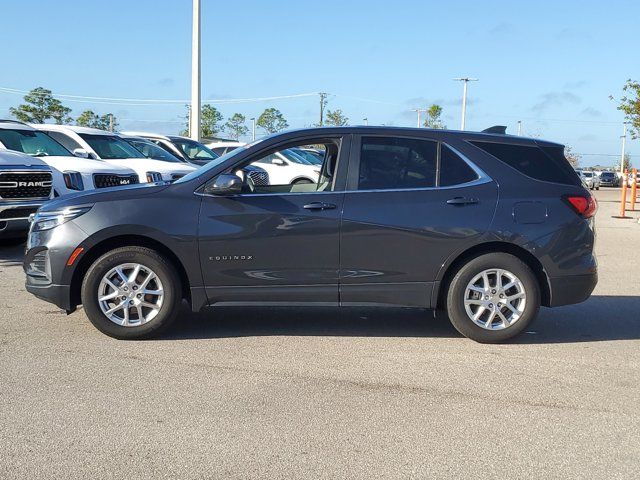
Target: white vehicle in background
[[186, 149], [25, 185], [287, 167], [590, 179], [222, 148], [113, 150], [70, 173]]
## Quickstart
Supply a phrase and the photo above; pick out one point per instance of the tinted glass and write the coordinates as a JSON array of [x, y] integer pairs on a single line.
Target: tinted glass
[[37, 144], [547, 163], [453, 169], [195, 150], [110, 147], [396, 163], [68, 142], [151, 150]]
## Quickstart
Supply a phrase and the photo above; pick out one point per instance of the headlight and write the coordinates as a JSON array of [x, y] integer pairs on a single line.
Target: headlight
[[73, 180], [153, 177], [48, 220]]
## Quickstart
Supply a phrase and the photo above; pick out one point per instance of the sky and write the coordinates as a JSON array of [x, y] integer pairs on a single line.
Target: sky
[[551, 64]]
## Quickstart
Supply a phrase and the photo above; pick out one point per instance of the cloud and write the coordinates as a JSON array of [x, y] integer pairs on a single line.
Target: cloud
[[573, 34], [574, 85], [502, 28], [591, 112], [165, 82], [555, 99], [587, 138]]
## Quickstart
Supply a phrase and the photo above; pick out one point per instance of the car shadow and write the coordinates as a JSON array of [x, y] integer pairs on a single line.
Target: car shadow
[[601, 318], [11, 252]]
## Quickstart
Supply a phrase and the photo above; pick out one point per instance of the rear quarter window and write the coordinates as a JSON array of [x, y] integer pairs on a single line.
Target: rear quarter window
[[542, 163]]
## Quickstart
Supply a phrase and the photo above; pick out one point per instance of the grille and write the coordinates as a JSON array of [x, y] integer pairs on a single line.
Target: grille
[[15, 213], [259, 178], [111, 180], [177, 176], [19, 185]]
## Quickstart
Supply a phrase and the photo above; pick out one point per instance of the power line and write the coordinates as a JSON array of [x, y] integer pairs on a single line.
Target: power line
[[151, 101]]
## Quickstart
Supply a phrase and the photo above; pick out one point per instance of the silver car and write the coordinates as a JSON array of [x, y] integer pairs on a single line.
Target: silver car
[[590, 179]]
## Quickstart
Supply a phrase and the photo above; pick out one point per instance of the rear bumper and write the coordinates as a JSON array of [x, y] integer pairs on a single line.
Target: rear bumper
[[571, 289]]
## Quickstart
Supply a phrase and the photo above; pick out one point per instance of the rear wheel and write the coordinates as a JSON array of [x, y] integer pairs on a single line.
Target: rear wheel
[[131, 293], [493, 297]]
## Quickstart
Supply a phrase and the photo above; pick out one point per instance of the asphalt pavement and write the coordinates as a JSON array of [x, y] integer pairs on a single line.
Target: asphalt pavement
[[327, 393]]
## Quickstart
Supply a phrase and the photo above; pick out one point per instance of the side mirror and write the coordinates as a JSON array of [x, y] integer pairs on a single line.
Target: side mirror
[[81, 152], [225, 184], [278, 161]]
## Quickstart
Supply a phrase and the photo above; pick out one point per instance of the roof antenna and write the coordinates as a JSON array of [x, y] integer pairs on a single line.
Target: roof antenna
[[499, 129]]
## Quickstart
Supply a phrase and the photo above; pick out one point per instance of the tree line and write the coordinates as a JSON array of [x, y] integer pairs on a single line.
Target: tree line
[[40, 106]]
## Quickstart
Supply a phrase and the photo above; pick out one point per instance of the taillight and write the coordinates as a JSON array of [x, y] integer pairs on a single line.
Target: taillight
[[584, 205]]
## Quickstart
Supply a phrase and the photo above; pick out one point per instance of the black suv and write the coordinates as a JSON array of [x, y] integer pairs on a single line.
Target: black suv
[[485, 226]]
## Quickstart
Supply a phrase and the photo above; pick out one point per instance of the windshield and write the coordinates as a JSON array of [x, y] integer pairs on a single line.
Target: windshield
[[294, 157], [309, 156], [212, 164], [194, 150], [151, 150], [109, 147], [34, 143], [587, 174]]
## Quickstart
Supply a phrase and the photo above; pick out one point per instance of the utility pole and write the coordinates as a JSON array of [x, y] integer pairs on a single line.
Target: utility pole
[[419, 112], [519, 128], [111, 122], [465, 80], [366, 121], [194, 123], [323, 102], [624, 147], [253, 128]]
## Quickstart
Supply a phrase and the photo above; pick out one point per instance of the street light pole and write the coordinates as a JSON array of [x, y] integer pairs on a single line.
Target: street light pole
[[323, 102], [519, 128], [624, 147], [253, 119], [194, 124], [465, 81], [419, 112], [366, 121]]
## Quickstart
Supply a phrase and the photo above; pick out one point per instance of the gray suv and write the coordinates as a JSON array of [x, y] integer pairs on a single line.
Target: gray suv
[[485, 226]]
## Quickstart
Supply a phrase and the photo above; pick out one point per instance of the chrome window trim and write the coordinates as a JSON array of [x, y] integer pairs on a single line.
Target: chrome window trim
[[482, 179]]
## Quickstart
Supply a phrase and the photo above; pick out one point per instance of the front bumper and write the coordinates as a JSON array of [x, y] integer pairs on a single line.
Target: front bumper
[[571, 289], [59, 295]]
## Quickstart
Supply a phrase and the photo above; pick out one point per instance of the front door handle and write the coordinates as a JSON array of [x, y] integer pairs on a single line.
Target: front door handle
[[319, 206], [462, 201]]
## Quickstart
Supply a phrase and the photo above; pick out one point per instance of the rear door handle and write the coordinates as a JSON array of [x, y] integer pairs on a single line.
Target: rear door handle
[[462, 201], [319, 206]]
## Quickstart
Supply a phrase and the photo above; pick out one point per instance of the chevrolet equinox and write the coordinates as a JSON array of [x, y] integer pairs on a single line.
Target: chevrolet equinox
[[485, 226]]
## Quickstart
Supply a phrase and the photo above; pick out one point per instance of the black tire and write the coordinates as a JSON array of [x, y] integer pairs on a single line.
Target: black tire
[[165, 271], [302, 181], [456, 295]]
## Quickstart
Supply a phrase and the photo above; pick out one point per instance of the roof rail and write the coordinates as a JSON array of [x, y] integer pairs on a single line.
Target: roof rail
[[10, 120], [498, 129]]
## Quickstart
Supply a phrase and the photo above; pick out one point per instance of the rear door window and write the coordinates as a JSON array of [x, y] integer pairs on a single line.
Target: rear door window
[[453, 169], [388, 163]]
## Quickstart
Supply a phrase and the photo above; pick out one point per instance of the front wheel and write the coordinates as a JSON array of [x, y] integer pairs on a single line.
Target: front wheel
[[493, 297], [131, 293]]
